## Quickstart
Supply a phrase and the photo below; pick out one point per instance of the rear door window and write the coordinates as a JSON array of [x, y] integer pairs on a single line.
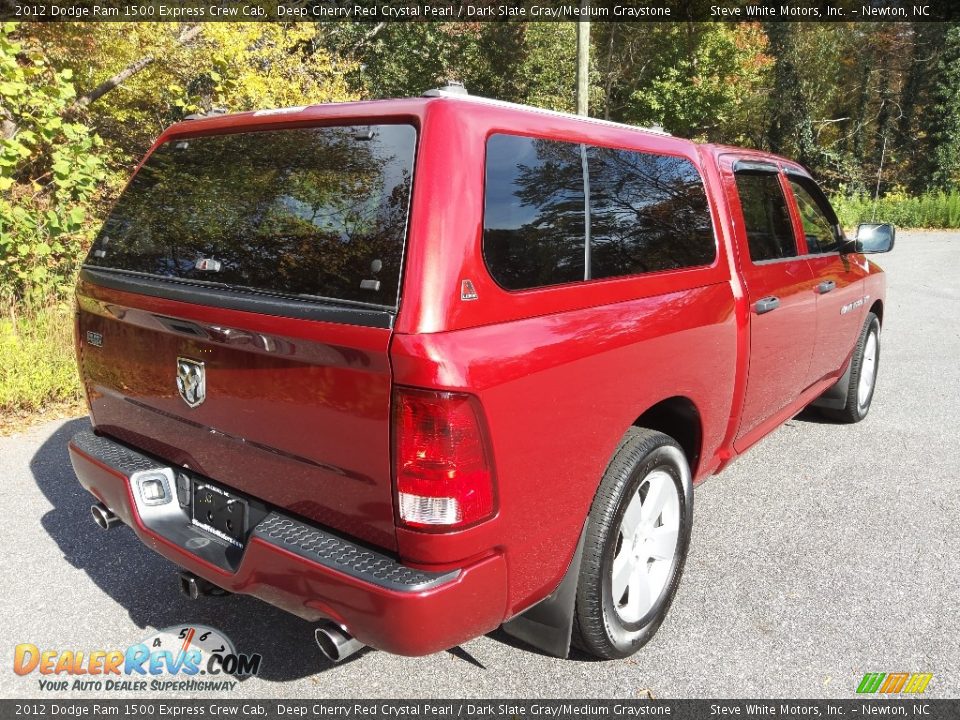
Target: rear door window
[[310, 212], [765, 215]]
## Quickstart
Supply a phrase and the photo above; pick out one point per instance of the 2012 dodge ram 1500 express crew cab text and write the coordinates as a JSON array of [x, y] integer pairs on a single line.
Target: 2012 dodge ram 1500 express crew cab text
[[416, 369]]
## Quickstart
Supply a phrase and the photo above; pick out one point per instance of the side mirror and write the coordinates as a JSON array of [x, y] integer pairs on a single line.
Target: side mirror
[[875, 237]]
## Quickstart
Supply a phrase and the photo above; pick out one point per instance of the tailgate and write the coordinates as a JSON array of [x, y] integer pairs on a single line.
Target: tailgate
[[294, 412]]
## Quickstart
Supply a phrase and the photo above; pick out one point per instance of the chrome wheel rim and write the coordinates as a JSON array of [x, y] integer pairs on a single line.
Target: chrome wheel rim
[[868, 369], [646, 546]]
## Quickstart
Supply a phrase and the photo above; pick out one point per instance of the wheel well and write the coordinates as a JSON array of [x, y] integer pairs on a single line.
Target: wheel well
[[677, 417], [877, 309]]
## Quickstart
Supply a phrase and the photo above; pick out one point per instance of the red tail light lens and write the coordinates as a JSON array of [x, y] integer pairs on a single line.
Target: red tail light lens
[[443, 470]]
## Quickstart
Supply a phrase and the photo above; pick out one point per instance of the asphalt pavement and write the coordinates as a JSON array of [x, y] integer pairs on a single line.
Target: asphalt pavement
[[824, 553]]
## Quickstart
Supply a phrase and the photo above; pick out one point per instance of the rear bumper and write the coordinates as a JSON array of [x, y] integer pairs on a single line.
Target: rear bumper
[[301, 568]]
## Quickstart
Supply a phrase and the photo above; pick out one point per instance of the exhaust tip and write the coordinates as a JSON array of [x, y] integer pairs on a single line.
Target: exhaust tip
[[336, 643], [103, 516]]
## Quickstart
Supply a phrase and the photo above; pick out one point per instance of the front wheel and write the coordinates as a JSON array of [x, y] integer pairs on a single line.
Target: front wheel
[[863, 375], [636, 544]]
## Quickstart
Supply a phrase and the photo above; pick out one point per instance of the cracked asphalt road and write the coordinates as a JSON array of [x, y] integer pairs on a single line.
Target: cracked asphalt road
[[824, 553]]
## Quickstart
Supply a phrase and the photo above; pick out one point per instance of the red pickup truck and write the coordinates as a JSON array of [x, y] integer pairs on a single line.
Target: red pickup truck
[[416, 369]]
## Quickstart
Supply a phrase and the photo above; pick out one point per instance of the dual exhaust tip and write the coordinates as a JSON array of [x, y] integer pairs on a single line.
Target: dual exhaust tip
[[104, 517], [333, 640]]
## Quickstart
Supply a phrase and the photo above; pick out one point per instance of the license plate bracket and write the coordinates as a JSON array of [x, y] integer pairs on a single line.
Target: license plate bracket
[[220, 512]]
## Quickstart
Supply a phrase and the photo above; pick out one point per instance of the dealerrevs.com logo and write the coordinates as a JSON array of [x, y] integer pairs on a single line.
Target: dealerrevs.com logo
[[187, 658]]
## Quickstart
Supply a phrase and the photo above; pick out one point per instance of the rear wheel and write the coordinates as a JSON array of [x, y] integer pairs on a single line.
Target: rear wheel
[[863, 375], [636, 545]]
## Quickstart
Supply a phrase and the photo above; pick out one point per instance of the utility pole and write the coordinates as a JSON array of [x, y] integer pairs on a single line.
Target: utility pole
[[583, 60]]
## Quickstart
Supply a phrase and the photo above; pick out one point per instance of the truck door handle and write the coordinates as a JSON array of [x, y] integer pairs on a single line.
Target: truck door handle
[[826, 286], [767, 304]]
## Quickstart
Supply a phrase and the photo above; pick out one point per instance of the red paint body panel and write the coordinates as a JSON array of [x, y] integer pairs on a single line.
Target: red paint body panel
[[836, 331], [298, 412], [538, 381], [781, 342], [447, 212]]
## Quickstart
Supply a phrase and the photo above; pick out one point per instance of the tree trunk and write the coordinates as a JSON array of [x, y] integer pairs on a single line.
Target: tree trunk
[[8, 128], [583, 63], [608, 79], [132, 69]]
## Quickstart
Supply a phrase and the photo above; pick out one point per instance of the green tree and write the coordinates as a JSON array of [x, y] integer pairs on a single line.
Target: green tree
[[943, 123], [700, 80], [791, 123], [50, 171], [529, 63]]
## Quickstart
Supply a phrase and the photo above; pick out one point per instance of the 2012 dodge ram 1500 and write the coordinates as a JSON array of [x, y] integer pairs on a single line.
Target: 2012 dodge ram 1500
[[415, 369]]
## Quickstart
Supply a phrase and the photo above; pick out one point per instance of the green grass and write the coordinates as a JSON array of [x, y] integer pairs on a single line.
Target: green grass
[[931, 210], [37, 363]]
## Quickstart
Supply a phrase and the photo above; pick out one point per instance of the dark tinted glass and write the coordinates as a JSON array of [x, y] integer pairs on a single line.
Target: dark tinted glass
[[313, 211], [533, 222], [768, 227], [819, 222], [647, 213]]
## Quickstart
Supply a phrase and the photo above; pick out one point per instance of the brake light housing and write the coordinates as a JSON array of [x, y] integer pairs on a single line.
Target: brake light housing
[[444, 478]]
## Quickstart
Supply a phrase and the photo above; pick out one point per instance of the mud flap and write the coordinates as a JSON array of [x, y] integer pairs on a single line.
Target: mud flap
[[836, 395], [548, 625]]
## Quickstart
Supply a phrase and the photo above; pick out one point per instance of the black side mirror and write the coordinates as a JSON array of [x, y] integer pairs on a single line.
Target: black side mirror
[[875, 238]]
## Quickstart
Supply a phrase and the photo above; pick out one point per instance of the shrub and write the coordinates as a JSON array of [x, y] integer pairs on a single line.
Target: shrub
[[50, 170], [931, 210], [37, 362]]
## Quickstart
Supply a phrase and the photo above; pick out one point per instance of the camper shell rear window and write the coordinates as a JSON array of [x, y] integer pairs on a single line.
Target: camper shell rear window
[[316, 213]]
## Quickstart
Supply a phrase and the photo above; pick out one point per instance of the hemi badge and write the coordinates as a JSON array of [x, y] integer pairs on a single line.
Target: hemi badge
[[94, 338], [467, 291]]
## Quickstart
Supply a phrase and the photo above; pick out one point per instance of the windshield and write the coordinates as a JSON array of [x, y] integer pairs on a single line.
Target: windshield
[[317, 212]]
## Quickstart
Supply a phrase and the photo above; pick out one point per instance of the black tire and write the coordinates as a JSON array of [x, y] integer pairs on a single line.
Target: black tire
[[598, 627], [856, 408]]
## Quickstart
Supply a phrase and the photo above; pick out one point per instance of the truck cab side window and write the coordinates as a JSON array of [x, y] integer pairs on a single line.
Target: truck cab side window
[[534, 214], [766, 217], [819, 224]]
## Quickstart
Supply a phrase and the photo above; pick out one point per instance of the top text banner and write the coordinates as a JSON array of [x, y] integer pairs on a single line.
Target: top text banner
[[375, 11]]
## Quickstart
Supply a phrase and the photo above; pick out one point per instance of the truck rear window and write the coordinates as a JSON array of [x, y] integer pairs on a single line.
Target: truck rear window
[[313, 212]]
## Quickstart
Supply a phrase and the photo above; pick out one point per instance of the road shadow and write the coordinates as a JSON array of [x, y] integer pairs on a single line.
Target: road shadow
[[813, 416], [144, 583], [575, 654]]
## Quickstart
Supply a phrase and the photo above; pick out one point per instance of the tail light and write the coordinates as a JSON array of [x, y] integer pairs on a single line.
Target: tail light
[[443, 469]]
